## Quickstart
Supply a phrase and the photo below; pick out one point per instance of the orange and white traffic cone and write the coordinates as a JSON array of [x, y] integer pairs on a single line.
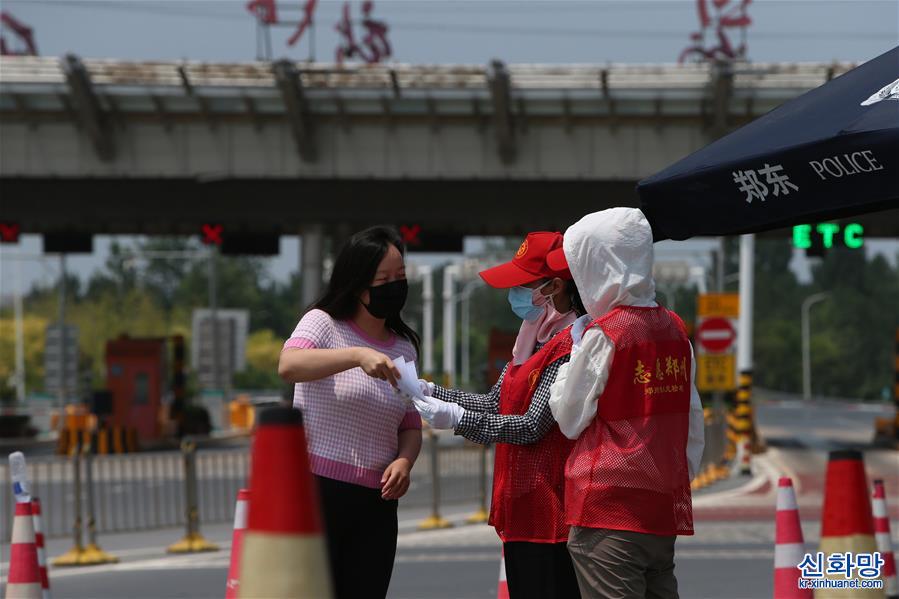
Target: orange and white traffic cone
[[39, 542], [884, 541], [24, 580], [240, 524], [283, 550], [847, 525], [789, 548], [502, 592]]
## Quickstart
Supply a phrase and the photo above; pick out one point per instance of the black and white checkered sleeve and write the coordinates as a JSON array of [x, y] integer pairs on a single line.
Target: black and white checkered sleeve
[[487, 402], [524, 429]]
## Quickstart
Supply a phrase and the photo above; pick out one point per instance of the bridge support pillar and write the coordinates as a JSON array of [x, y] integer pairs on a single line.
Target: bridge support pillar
[[311, 262], [339, 234]]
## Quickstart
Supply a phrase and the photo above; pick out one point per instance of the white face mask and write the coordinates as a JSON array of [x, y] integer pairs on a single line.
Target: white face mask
[[546, 321], [528, 303]]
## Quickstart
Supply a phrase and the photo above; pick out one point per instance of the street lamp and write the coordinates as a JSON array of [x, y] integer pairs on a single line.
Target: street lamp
[[465, 298], [806, 350], [18, 316]]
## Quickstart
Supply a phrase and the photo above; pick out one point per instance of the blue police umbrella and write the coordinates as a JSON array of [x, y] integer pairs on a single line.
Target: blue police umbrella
[[831, 153]]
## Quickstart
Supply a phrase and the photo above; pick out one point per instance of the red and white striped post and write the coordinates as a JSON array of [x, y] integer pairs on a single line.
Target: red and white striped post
[[41, 551]]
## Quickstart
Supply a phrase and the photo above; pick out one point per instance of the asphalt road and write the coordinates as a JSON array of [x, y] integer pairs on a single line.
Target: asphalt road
[[731, 554]]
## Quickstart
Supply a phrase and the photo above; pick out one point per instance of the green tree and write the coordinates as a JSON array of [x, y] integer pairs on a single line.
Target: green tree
[[776, 331], [33, 328], [162, 275], [118, 275], [854, 332]]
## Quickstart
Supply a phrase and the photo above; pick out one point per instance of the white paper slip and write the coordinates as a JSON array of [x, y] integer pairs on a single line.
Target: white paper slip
[[408, 382]]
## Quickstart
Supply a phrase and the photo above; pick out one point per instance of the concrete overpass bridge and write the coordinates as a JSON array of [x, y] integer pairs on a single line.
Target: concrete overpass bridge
[[105, 146], [126, 147]]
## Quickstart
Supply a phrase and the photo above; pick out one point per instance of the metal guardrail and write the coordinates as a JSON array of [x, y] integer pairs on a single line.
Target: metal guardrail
[[715, 440], [132, 492], [145, 491], [715, 464], [460, 474]]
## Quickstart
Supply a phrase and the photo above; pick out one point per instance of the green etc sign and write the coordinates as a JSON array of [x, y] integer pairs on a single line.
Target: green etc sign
[[824, 236]]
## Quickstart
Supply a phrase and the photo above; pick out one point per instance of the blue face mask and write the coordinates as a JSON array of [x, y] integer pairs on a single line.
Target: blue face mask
[[522, 301]]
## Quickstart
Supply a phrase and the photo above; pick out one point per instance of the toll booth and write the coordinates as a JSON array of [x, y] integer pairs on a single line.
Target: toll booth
[[136, 378]]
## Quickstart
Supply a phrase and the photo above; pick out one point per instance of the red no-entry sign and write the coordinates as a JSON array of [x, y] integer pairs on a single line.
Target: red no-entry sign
[[716, 335]]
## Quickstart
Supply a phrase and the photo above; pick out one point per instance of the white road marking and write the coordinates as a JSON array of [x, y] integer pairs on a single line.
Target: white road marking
[[715, 553], [764, 472], [418, 558], [776, 457], [180, 562], [412, 523]]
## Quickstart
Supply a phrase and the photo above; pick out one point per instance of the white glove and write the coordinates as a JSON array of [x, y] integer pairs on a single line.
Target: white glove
[[439, 414], [427, 387]]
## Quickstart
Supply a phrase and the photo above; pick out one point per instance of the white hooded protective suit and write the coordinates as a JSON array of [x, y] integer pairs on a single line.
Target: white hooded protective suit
[[610, 256]]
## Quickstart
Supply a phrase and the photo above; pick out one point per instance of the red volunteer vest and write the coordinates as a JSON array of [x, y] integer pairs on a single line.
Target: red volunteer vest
[[628, 469], [529, 480]]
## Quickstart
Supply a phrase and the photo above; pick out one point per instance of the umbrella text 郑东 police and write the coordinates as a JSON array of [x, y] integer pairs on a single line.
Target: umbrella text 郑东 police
[[836, 166], [754, 188]]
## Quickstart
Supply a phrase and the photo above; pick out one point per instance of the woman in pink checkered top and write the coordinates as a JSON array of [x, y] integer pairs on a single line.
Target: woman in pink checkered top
[[363, 437]]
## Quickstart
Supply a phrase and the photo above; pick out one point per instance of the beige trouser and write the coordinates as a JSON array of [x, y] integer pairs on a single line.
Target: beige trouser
[[617, 564]]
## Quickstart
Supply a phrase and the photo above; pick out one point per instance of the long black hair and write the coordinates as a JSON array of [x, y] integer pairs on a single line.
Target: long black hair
[[353, 273]]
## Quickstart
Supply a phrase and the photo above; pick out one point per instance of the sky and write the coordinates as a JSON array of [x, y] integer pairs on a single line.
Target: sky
[[474, 31], [438, 31]]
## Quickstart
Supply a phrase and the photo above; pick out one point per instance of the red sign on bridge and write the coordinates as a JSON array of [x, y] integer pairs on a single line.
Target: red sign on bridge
[[411, 234], [212, 234]]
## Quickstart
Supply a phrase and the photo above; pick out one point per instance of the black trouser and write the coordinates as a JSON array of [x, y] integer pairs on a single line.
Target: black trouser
[[540, 570], [360, 529]]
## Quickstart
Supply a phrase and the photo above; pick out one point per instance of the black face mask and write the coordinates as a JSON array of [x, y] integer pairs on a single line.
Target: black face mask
[[386, 301]]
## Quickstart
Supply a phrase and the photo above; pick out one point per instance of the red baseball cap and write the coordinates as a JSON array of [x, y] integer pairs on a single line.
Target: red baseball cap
[[529, 264], [557, 260]]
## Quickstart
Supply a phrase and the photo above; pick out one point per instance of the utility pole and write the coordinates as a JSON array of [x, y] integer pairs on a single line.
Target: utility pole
[[743, 408], [427, 319], [213, 312], [718, 396], [465, 298], [450, 273], [806, 342], [62, 390], [19, 316], [20, 335]]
